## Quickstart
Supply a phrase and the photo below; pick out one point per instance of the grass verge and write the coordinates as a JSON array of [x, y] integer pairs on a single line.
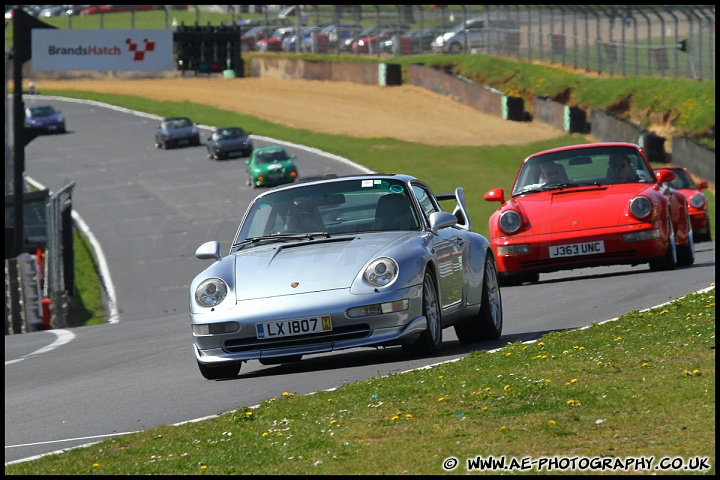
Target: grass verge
[[639, 387]]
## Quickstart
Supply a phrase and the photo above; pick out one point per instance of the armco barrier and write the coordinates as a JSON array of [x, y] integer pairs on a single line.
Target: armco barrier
[[606, 127], [688, 153], [559, 116], [481, 98]]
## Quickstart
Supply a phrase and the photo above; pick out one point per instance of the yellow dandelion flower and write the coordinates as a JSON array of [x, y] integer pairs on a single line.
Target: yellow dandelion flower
[[394, 417], [333, 421], [618, 338], [541, 344], [696, 372], [565, 352], [649, 324], [543, 356], [525, 347], [503, 428], [249, 414], [644, 364], [96, 465], [581, 348], [508, 354], [551, 422], [547, 380], [265, 434], [484, 408], [280, 434], [408, 415], [440, 376], [487, 389], [203, 467], [441, 399], [599, 362], [506, 388], [329, 400], [573, 380], [573, 402]]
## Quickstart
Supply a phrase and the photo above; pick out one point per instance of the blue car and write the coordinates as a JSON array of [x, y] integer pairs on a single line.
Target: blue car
[[227, 142], [175, 132], [44, 119]]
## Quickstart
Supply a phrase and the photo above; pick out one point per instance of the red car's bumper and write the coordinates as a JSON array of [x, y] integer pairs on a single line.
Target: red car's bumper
[[607, 246]]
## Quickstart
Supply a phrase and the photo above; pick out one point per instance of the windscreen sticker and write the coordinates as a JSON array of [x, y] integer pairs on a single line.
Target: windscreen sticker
[[367, 183], [397, 188]]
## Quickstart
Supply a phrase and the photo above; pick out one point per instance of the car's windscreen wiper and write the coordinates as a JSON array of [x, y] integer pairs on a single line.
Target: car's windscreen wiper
[[553, 186], [280, 237]]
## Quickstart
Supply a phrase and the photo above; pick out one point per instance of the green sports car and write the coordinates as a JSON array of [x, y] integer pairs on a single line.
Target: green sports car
[[270, 166]]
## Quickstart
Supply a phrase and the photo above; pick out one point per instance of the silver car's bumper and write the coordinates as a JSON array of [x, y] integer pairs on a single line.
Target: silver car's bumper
[[376, 330]]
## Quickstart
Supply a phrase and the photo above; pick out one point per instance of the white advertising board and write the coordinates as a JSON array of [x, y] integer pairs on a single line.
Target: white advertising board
[[114, 50]]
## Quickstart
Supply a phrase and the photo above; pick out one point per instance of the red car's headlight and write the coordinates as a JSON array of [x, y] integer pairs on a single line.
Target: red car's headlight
[[510, 221], [698, 200], [640, 207]]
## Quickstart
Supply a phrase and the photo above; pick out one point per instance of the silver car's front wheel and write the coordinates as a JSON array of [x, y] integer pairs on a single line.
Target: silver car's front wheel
[[430, 340]]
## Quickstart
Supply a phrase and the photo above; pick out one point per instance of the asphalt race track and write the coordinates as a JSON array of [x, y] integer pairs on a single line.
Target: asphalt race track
[[149, 209]]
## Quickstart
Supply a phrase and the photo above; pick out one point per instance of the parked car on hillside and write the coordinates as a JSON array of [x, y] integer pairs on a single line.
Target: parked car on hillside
[[290, 43], [336, 38], [343, 262], [420, 40], [589, 205], [476, 33], [270, 166], [176, 132], [697, 202], [249, 39], [227, 142], [273, 43], [44, 119], [370, 43]]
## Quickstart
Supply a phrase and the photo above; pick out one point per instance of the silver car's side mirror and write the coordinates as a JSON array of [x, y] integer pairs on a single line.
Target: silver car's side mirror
[[440, 220], [209, 251]]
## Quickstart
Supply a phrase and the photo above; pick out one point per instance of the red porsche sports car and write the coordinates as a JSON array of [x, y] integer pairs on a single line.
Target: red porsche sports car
[[697, 202], [589, 205]]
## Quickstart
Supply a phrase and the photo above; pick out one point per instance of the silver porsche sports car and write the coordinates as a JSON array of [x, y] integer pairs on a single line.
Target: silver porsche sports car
[[343, 262]]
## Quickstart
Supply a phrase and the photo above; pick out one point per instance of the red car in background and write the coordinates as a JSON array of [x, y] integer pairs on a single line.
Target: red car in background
[[569, 208], [95, 9], [697, 202], [250, 38], [273, 43], [371, 37]]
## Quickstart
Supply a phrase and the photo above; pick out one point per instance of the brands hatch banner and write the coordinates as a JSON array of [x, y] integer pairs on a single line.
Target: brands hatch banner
[[137, 50]]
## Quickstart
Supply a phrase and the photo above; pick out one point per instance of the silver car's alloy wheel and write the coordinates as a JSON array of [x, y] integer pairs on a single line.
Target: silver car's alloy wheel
[[430, 340]]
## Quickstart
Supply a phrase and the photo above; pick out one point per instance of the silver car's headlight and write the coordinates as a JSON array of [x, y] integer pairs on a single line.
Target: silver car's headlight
[[640, 207], [381, 272], [697, 200], [211, 292], [510, 221]]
